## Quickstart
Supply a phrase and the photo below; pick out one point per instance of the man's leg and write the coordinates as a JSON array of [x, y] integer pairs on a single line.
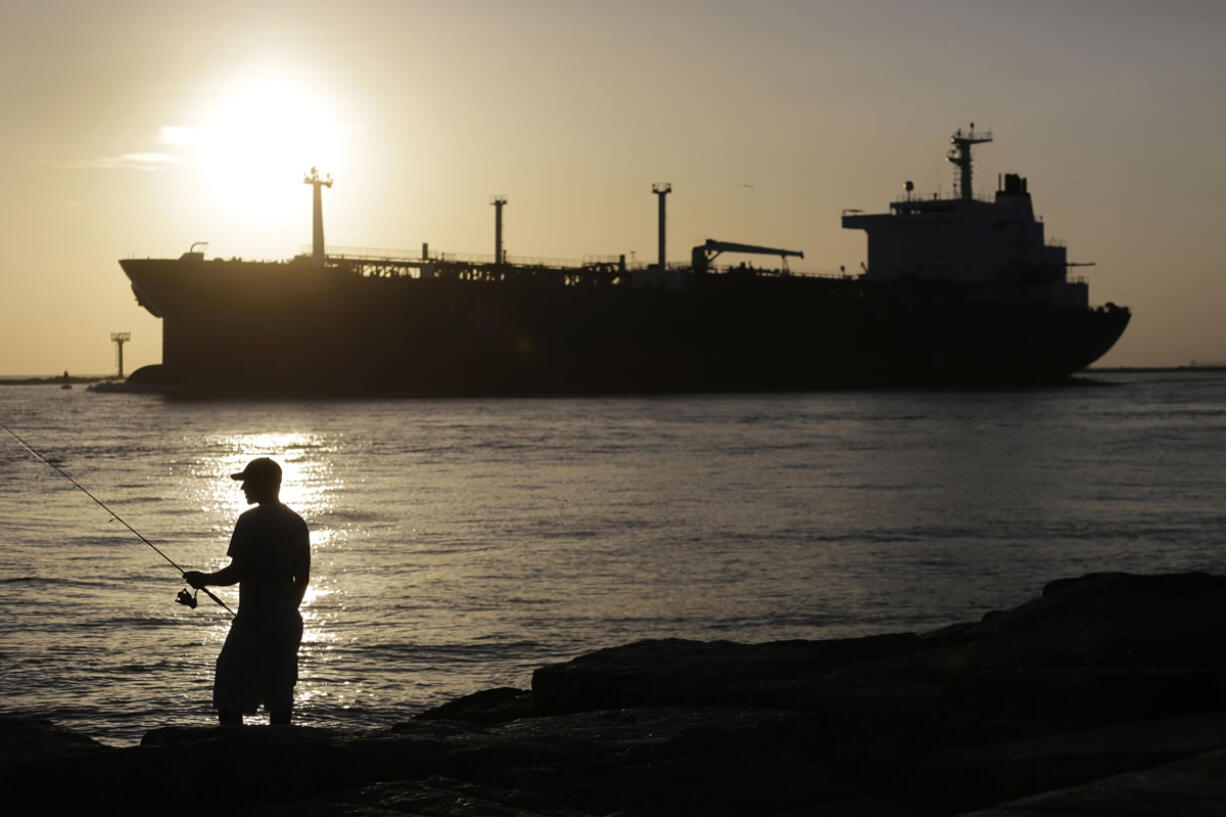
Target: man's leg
[[228, 718]]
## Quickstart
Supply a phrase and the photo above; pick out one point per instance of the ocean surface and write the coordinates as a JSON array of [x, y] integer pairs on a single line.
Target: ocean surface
[[459, 544]]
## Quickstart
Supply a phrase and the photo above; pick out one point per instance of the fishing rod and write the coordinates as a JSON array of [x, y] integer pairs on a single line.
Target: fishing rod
[[184, 597]]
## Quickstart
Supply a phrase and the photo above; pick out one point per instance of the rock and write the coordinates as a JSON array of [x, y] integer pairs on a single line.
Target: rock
[[1095, 681], [1013, 769], [1103, 649], [1104, 619], [28, 739], [1195, 787], [667, 672], [489, 706], [243, 765]]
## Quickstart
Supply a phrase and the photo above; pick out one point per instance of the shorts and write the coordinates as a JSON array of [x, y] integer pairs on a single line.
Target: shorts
[[258, 665]]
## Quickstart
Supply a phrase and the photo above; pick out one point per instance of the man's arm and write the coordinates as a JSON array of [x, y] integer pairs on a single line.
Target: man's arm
[[300, 584], [302, 571], [228, 575]]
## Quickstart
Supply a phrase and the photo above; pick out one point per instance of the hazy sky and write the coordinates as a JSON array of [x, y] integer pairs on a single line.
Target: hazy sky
[[137, 128]]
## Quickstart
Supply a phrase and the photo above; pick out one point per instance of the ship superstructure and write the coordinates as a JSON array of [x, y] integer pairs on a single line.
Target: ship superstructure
[[956, 291], [962, 240]]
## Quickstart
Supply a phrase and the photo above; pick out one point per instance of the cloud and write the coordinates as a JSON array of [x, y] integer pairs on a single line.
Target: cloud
[[149, 158], [126, 161]]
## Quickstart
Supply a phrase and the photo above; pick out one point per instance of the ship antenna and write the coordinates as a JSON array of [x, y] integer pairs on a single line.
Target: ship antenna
[[960, 155], [317, 238]]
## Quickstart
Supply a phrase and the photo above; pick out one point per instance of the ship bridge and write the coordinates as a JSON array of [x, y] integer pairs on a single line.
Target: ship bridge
[[963, 239]]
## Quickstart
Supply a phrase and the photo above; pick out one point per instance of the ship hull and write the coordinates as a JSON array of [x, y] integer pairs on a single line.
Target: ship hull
[[291, 329]]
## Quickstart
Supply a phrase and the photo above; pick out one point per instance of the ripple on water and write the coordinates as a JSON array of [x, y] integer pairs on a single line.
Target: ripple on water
[[459, 544]]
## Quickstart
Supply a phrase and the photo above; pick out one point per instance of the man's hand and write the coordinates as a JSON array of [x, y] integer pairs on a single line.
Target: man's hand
[[195, 578]]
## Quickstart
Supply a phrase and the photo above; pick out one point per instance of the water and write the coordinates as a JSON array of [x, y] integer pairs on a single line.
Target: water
[[459, 544]]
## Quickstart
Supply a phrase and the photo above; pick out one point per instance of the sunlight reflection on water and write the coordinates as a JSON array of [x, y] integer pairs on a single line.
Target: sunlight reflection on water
[[309, 487]]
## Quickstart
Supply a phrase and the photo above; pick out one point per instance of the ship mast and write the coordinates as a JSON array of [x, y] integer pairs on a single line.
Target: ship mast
[[662, 189], [960, 155], [317, 238], [499, 201]]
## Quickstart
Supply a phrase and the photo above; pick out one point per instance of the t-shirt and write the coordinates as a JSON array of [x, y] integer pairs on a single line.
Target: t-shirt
[[275, 547]]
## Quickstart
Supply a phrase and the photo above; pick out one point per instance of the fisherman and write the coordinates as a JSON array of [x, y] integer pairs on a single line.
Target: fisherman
[[271, 562]]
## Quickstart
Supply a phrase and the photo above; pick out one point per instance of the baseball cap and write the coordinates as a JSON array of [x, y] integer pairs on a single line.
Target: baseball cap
[[260, 469]]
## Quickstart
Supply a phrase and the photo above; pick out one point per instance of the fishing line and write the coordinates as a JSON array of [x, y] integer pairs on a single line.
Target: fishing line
[[182, 595]]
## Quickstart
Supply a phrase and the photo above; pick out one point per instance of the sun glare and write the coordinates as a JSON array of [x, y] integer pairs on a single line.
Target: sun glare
[[254, 144]]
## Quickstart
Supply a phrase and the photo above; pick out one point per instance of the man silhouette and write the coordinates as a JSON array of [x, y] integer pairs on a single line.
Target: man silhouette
[[270, 560]]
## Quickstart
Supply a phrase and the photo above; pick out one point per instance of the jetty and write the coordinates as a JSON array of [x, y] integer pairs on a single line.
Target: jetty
[[1103, 695]]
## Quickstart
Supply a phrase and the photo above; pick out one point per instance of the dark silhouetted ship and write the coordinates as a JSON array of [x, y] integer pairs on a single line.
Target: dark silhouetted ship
[[956, 292]]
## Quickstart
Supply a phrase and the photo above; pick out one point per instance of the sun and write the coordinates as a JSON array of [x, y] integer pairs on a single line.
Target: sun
[[253, 144]]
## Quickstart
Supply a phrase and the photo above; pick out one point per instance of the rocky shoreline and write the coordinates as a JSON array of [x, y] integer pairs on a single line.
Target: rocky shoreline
[[1105, 695]]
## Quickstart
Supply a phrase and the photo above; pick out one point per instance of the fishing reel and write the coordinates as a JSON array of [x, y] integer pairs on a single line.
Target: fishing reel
[[187, 599]]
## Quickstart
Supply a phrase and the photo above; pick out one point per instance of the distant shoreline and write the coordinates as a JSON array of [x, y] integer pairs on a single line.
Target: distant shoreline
[[1209, 367], [55, 379], [52, 380]]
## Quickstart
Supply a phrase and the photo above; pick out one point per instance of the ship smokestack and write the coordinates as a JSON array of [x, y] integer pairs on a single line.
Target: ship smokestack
[[317, 236], [662, 189], [498, 201]]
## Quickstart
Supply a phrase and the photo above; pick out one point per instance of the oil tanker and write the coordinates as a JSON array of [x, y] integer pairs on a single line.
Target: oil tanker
[[956, 291]]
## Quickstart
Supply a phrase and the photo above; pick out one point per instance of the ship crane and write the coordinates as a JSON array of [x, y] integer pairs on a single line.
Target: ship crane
[[702, 255]]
